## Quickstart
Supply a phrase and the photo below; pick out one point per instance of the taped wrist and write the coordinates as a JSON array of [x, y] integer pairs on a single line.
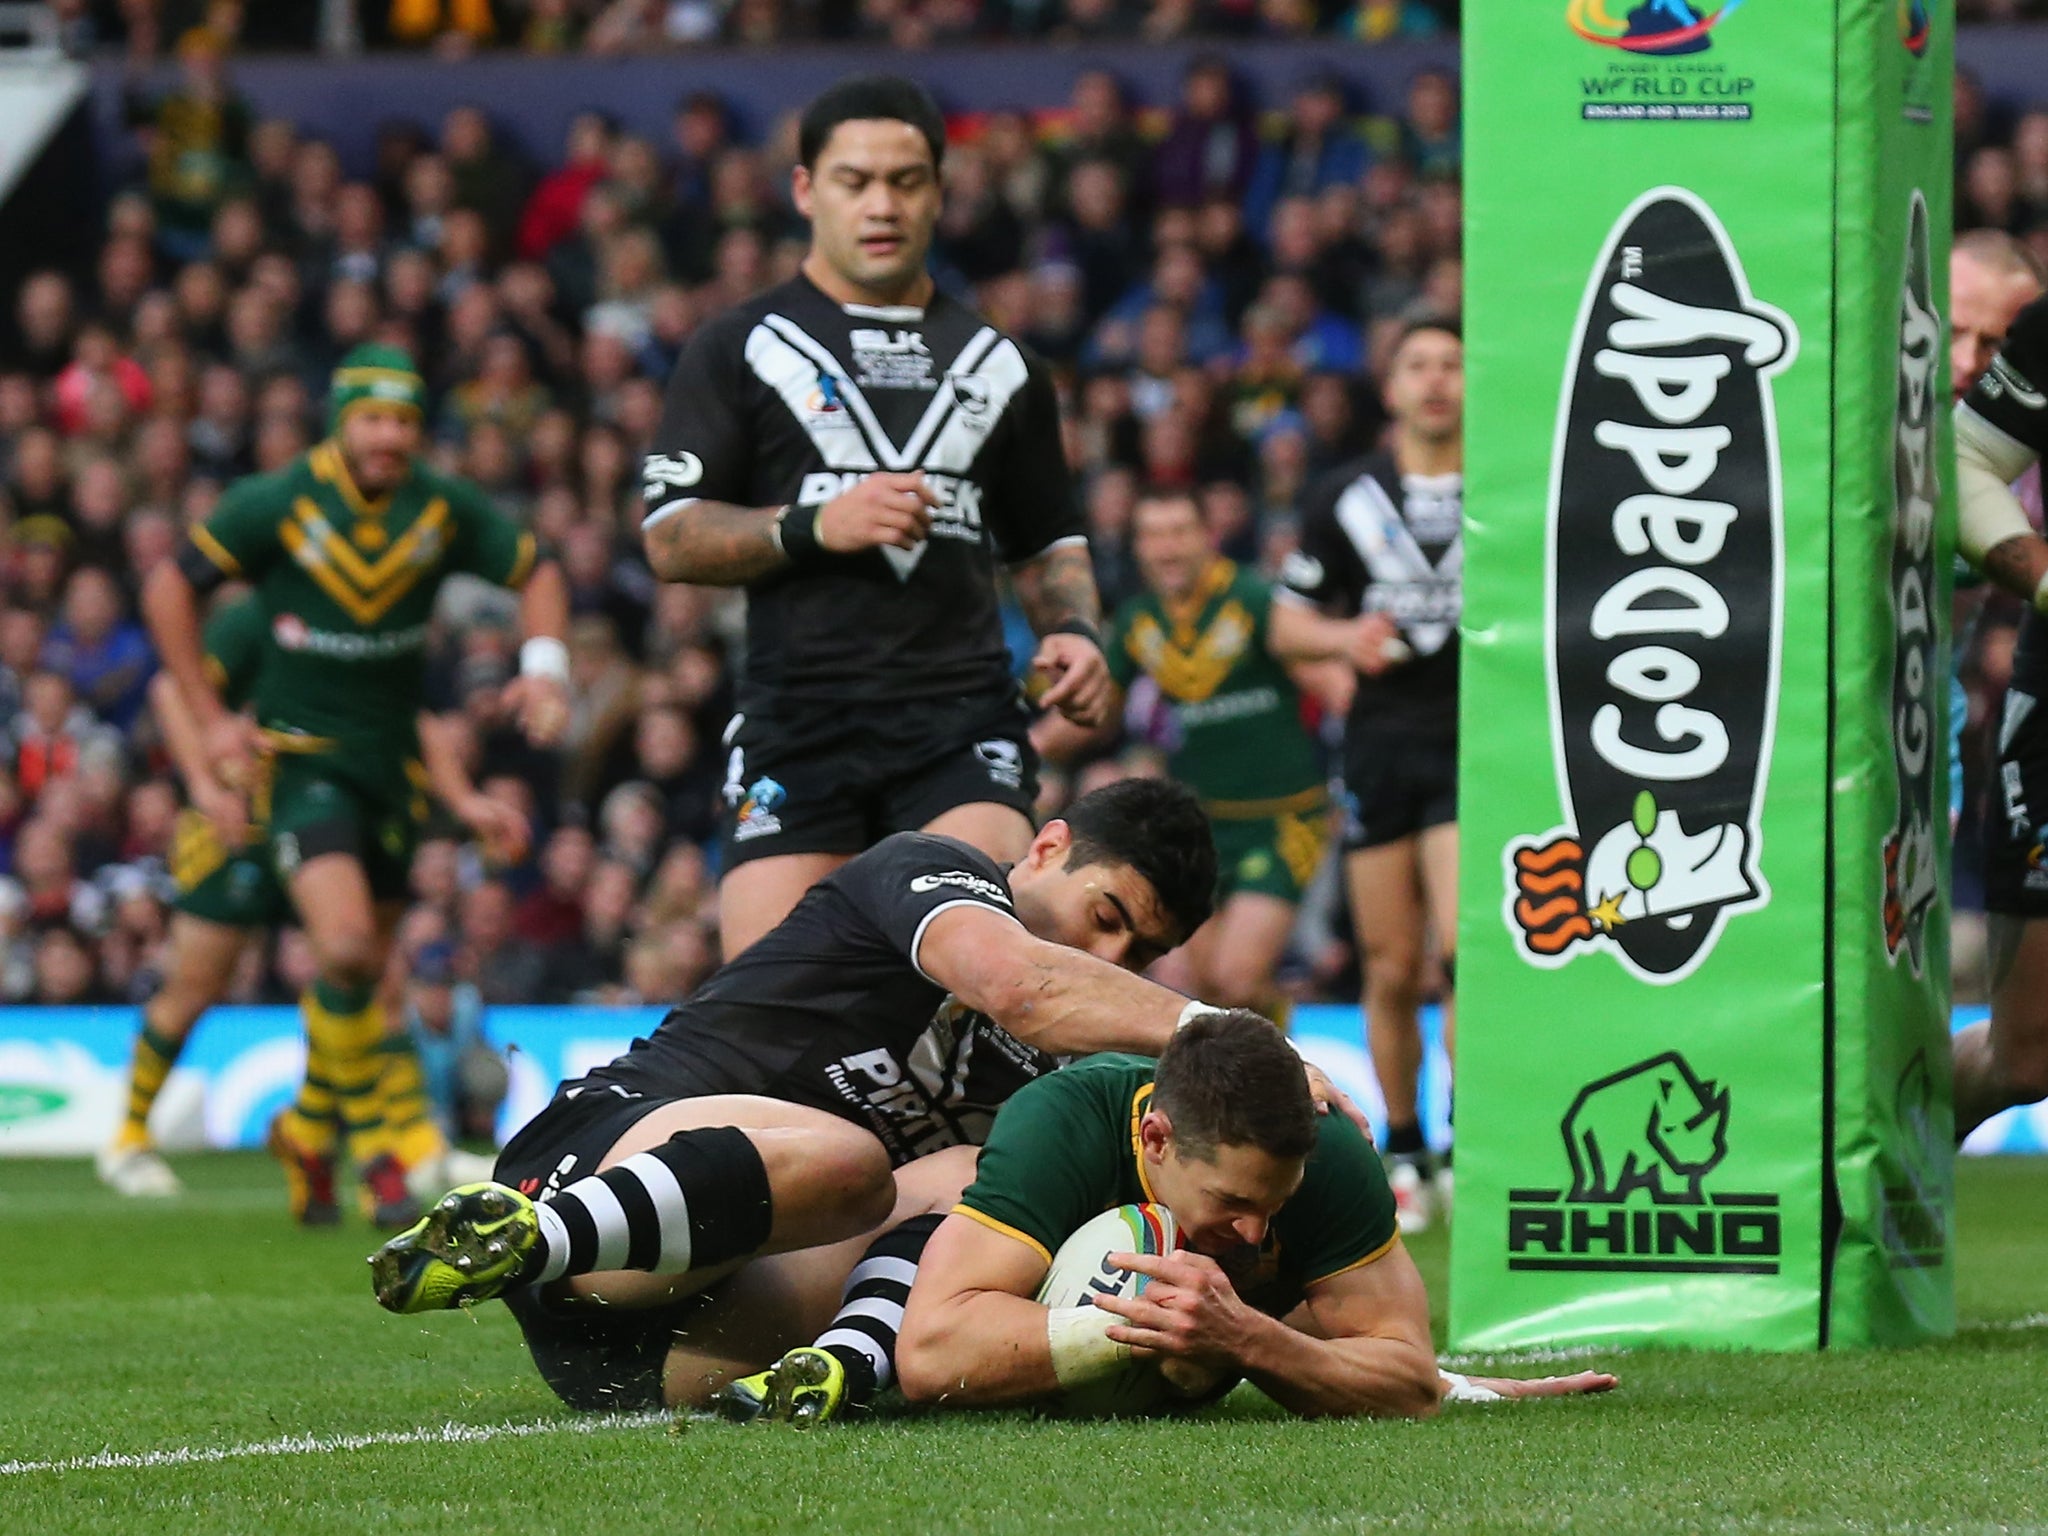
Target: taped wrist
[[1463, 1389], [796, 534], [1082, 1350]]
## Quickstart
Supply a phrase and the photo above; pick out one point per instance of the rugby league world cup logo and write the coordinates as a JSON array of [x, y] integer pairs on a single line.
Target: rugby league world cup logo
[[1665, 589]]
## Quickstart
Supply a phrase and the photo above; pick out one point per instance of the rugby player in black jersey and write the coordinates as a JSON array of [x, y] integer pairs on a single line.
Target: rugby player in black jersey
[[879, 1026], [1381, 537], [2001, 431], [860, 452]]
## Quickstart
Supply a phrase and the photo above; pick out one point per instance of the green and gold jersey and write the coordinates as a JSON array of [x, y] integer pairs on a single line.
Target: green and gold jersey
[[1238, 740], [1065, 1148], [233, 643], [345, 586]]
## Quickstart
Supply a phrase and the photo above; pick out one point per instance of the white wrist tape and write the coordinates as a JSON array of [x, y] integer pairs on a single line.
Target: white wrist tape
[[544, 656], [1463, 1389], [1082, 1350], [1195, 1009]]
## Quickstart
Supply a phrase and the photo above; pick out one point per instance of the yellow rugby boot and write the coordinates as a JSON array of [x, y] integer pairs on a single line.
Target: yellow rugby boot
[[470, 1247]]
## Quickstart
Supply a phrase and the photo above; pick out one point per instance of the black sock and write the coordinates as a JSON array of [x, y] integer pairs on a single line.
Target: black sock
[[698, 1199], [1404, 1140], [863, 1334]]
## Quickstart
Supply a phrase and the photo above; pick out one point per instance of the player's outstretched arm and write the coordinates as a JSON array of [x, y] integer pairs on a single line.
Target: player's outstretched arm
[[499, 826], [170, 606], [972, 1335], [1369, 1354], [1992, 531], [539, 696], [1058, 999], [187, 747]]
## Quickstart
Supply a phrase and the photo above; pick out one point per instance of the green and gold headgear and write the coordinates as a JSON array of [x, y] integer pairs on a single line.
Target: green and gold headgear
[[375, 375]]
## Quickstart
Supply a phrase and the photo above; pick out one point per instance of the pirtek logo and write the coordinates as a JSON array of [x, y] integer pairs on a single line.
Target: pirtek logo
[[1909, 862], [1658, 1128], [1665, 587]]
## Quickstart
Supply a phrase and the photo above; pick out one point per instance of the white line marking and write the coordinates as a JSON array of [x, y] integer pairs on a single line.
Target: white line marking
[[324, 1445]]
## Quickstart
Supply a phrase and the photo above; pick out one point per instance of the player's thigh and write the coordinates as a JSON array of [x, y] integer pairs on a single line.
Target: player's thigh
[[1250, 936], [1001, 831], [331, 892], [199, 968], [1385, 890], [822, 1171], [2019, 1002], [753, 897]]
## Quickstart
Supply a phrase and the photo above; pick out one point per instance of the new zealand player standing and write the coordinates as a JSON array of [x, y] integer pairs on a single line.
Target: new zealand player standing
[[1381, 537], [859, 451]]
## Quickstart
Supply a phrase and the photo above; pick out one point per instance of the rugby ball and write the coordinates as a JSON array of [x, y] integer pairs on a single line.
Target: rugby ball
[[1080, 1272]]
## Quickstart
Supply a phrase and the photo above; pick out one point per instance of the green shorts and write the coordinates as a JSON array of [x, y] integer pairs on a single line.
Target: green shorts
[[1269, 855], [235, 887], [312, 809]]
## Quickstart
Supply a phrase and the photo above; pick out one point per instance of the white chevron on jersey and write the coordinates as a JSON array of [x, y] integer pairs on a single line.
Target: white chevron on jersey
[[1395, 561], [978, 388]]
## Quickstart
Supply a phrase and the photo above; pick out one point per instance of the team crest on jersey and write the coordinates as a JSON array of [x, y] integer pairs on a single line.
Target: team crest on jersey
[[891, 360], [1665, 587], [757, 816]]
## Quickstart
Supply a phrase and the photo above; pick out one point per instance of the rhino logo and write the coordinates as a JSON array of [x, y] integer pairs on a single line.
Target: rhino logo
[[1654, 1126], [1664, 584], [1910, 865]]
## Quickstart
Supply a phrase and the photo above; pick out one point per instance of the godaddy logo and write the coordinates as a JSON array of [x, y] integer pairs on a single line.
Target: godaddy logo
[[1664, 581]]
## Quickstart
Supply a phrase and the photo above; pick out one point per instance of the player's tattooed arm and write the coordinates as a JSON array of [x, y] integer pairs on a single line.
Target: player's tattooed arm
[[713, 543], [1058, 587], [2018, 564]]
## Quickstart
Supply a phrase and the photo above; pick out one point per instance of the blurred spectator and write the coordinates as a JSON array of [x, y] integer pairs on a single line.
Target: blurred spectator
[[466, 1079], [104, 656], [1211, 149], [196, 139], [493, 959]]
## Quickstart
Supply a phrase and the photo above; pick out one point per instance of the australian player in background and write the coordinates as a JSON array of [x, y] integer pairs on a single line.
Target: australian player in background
[[862, 453], [228, 894], [1216, 645], [1381, 540], [345, 549]]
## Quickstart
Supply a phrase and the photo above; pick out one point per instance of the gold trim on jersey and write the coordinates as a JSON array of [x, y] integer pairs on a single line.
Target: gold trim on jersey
[[523, 558], [1138, 1102], [1312, 799], [1301, 841], [1371, 1258], [328, 465], [1006, 1229], [214, 550], [296, 743], [364, 591], [1191, 663]]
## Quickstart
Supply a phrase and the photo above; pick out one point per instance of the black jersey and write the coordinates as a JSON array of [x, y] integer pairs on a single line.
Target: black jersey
[[792, 398], [830, 1009], [2012, 394], [1376, 540]]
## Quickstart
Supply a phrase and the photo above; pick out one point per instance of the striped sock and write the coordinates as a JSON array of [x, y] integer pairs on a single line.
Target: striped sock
[[698, 1199], [344, 1030], [410, 1129], [863, 1332], [155, 1055]]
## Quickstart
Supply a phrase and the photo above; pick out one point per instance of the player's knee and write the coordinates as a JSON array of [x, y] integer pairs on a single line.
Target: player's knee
[[2023, 1072], [848, 1175], [1393, 980], [1234, 985], [351, 957]]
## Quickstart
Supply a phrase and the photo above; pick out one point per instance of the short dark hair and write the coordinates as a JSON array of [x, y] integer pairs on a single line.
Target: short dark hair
[[1448, 324], [1157, 827], [1230, 1079], [862, 97]]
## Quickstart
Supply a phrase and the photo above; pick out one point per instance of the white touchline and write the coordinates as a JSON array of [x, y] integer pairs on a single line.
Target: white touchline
[[323, 1445]]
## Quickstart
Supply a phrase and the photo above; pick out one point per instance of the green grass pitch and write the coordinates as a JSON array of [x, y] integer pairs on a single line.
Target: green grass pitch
[[209, 1323]]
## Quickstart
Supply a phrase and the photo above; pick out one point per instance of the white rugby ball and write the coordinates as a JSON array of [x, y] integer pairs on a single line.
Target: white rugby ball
[[1080, 1272]]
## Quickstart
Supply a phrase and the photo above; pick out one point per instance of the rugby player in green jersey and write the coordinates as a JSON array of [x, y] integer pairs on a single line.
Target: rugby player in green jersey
[[346, 548], [1212, 640], [1291, 1272], [228, 893]]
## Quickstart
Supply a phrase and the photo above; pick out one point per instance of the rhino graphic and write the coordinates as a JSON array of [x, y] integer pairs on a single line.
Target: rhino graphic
[[1655, 1126]]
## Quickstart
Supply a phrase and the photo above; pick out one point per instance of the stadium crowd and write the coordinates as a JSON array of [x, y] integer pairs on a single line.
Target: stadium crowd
[[1214, 299]]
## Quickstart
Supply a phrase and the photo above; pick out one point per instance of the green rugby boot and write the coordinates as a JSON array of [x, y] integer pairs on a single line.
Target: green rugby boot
[[807, 1386], [470, 1247]]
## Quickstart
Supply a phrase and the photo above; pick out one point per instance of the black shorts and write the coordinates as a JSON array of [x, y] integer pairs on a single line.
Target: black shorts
[[595, 1359], [826, 783], [2015, 827], [1396, 784]]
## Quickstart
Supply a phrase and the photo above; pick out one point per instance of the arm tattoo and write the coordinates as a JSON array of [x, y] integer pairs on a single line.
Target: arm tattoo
[[2017, 564], [1058, 586], [714, 544]]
